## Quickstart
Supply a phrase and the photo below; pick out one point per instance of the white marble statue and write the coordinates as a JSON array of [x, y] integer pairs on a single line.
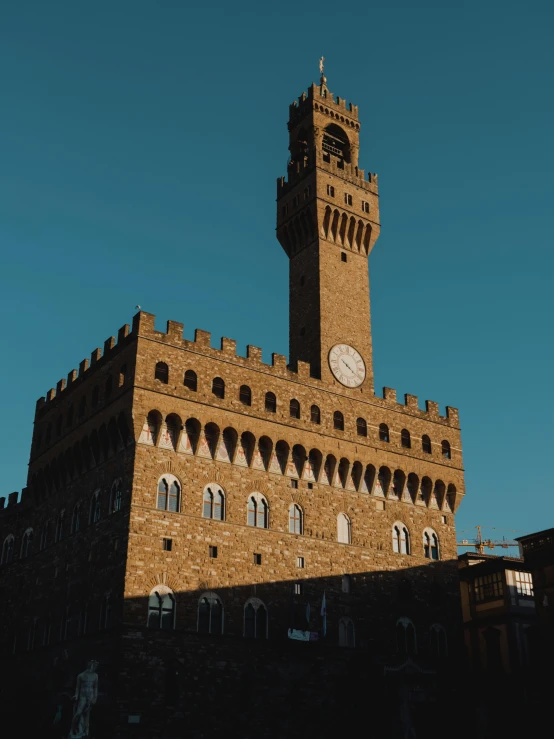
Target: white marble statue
[[86, 693]]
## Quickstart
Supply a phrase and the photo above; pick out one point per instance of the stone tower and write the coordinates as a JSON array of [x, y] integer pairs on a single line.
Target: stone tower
[[212, 527], [327, 223]]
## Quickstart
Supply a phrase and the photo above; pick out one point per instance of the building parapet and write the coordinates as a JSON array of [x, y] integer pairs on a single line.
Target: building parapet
[[321, 93], [346, 171], [143, 326], [63, 385]]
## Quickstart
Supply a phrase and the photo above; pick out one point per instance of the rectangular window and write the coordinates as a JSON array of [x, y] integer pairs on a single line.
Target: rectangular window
[[331, 191], [298, 588], [524, 584], [310, 486], [213, 552], [285, 209], [300, 563], [343, 257], [295, 200], [489, 587], [365, 206], [444, 519], [167, 544], [347, 198], [294, 483], [257, 559]]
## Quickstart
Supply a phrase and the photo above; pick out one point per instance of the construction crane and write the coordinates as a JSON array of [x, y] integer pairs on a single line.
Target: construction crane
[[479, 543]]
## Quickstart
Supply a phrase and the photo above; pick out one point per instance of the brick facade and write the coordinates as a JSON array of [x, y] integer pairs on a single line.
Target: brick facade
[[125, 425]]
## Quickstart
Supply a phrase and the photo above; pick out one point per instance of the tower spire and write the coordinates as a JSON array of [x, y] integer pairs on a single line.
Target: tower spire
[[323, 78]]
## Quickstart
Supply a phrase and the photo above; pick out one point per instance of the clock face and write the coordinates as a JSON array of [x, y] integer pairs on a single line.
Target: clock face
[[347, 365]]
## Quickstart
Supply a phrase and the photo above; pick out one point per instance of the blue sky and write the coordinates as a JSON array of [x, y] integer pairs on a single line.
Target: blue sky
[[140, 146]]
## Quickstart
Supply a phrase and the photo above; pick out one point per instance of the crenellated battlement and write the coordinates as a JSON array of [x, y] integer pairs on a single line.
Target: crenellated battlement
[[321, 95], [111, 347], [347, 172], [143, 326], [15, 502]]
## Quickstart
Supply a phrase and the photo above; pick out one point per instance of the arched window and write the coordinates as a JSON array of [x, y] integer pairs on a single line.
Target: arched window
[[191, 381], [161, 608], [116, 496], [294, 408], [400, 538], [406, 636], [384, 434], [122, 375], [270, 403], [210, 614], [338, 421], [45, 536], [439, 642], [430, 544], [426, 444], [346, 584], [335, 142], [218, 387], [344, 529], [446, 452], [295, 519], [95, 507], [245, 395], [361, 427], [258, 511], [315, 414], [346, 632], [27, 544], [214, 502], [169, 494], [58, 536], [76, 518], [405, 439], [255, 619], [161, 372], [7, 549], [108, 388]]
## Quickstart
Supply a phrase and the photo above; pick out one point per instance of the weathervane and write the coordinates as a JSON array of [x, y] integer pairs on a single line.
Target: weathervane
[[323, 79]]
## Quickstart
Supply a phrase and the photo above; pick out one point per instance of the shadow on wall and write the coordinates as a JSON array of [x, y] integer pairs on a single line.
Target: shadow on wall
[[386, 654], [208, 661]]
